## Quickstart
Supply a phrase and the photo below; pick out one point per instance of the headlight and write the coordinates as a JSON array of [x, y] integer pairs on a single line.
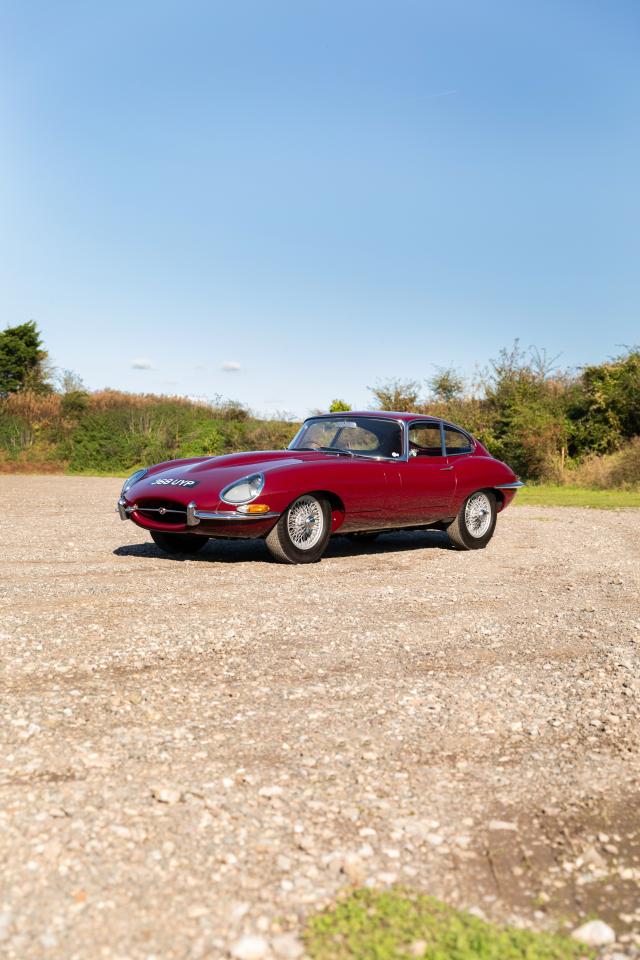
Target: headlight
[[138, 475], [244, 490]]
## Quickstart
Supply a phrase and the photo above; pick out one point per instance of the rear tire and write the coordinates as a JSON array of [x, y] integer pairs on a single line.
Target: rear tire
[[302, 533], [174, 543], [475, 523]]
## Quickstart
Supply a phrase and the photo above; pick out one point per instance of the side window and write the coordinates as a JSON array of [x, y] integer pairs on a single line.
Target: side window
[[456, 442], [424, 440]]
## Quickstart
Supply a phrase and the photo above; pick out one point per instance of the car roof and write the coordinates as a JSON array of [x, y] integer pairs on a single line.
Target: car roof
[[381, 414]]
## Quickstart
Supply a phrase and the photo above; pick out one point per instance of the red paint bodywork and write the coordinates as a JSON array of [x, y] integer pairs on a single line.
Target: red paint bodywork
[[365, 494]]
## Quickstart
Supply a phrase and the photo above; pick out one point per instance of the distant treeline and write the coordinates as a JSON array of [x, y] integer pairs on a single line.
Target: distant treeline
[[550, 425], [112, 432]]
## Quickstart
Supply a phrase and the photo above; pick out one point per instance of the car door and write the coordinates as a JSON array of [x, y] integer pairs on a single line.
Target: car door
[[427, 478], [366, 482], [364, 486]]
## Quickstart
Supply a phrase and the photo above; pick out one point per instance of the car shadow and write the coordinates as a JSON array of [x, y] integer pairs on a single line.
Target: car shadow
[[255, 551], [393, 542]]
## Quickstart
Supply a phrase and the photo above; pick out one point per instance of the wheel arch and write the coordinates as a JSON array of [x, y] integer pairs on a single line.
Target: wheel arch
[[338, 510], [499, 495], [469, 490], [495, 491]]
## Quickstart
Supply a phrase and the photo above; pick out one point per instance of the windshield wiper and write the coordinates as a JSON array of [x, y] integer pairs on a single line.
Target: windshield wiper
[[345, 453]]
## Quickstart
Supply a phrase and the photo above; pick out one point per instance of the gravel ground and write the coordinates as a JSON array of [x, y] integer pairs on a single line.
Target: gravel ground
[[197, 754]]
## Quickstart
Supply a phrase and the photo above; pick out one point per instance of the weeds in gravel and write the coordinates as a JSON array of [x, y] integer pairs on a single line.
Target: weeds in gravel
[[398, 924], [550, 495]]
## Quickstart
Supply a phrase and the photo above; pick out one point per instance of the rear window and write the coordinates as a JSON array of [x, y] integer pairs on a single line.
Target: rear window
[[456, 442]]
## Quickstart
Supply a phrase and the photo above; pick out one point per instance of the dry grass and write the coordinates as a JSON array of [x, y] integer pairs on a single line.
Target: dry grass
[[34, 407], [615, 470]]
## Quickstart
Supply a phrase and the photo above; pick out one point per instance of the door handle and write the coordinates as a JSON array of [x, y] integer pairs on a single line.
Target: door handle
[[448, 468]]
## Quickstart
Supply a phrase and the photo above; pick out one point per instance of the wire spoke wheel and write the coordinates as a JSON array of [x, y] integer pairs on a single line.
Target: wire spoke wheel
[[302, 533], [478, 515], [305, 523]]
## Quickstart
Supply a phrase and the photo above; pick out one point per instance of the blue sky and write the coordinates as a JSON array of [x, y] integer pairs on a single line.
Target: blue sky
[[317, 194]]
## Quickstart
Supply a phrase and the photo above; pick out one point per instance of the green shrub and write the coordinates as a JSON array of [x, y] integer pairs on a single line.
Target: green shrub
[[398, 924], [74, 403], [205, 440], [16, 434], [604, 405]]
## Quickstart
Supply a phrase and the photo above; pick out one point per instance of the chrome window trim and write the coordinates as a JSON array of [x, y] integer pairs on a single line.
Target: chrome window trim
[[363, 456]]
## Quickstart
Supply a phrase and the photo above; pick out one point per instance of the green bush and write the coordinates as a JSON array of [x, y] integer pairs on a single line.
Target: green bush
[[604, 405], [397, 924], [205, 440], [74, 403], [16, 434]]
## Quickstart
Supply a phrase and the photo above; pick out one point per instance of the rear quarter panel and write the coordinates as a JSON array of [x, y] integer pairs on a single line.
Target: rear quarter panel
[[479, 472]]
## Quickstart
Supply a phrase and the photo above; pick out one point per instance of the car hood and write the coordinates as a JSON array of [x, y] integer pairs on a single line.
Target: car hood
[[206, 476], [253, 462]]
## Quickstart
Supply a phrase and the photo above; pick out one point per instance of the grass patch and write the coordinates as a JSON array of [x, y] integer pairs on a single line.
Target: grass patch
[[398, 924], [549, 495]]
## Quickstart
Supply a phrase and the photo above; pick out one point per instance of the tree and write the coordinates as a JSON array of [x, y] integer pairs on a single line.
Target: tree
[[339, 406], [446, 385], [69, 382], [527, 403], [400, 395], [605, 408], [22, 360]]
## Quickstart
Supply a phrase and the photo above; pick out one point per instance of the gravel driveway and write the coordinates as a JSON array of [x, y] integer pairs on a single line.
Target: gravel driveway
[[198, 751]]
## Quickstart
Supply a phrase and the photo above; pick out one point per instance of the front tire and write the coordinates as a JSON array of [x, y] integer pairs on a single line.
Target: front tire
[[302, 533], [175, 543], [475, 523]]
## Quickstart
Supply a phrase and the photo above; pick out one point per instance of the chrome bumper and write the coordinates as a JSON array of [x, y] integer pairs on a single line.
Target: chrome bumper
[[509, 486], [194, 516]]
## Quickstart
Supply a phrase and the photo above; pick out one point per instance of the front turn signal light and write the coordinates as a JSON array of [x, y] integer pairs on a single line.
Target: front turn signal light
[[254, 508]]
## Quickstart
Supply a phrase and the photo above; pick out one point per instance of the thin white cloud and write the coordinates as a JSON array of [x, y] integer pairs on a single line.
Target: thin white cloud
[[142, 363], [442, 93], [230, 366]]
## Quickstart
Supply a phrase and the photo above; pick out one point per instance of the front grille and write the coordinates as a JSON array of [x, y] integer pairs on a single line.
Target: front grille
[[163, 511]]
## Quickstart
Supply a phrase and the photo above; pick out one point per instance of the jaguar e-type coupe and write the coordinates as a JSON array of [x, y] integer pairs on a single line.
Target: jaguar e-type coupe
[[353, 473]]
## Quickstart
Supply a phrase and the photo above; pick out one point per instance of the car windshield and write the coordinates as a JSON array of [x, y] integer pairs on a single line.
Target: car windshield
[[354, 436]]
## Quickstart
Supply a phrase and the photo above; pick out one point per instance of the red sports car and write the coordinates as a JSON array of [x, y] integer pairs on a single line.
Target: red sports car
[[350, 473]]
